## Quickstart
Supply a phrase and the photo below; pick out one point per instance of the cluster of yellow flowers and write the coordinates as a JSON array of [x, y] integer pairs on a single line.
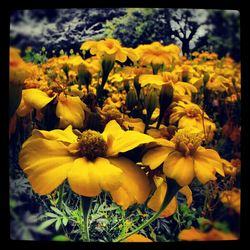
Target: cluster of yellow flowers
[[104, 107]]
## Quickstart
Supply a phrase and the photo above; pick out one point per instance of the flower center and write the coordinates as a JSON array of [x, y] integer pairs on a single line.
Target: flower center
[[92, 145], [187, 140], [192, 111]]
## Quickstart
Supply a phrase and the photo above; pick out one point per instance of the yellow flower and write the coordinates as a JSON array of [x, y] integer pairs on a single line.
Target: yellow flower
[[156, 200], [218, 83], [194, 234], [184, 158], [187, 113], [110, 49], [231, 199], [229, 168], [157, 54], [89, 161], [70, 110], [19, 70], [180, 88], [137, 238]]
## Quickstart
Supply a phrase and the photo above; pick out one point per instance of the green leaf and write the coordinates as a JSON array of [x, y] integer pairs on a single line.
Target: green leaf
[[65, 221], [60, 238], [51, 215], [57, 211], [46, 224], [58, 224]]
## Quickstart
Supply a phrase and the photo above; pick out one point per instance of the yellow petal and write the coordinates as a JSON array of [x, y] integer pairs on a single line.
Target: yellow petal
[[157, 198], [36, 98], [188, 193], [151, 79], [127, 141], [46, 163], [121, 56], [89, 178], [180, 168], [214, 158], [70, 111], [112, 128], [156, 156], [135, 186], [65, 135], [204, 171]]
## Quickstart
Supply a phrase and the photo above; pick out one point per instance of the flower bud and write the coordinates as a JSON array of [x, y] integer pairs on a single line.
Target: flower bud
[[137, 85], [84, 76], [151, 101], [126, 86], [206, 78], [131, 99]]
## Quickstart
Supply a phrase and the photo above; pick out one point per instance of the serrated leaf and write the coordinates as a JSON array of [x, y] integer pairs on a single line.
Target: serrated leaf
[[57, 211], [46, 224]]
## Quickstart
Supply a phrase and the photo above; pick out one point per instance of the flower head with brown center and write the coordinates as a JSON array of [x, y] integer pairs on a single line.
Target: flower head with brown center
[[92, 145]]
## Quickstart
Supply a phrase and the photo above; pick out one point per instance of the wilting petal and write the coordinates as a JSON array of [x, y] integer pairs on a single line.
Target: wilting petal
[[188, 194], [156, 200], [70, 111], [89, 178], [135, 186], [156, 156], [180, 168], [23, 108], [46, 163]]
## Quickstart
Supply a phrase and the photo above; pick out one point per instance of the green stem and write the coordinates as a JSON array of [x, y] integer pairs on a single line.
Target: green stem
[[173, 188], [85, 206]]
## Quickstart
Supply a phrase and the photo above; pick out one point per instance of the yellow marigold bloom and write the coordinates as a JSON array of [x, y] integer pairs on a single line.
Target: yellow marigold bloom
[[156, 200], [229, 168], [137, 238], [89, 161], [108, 48], [19, 69], [181, 89], [231, 199], [194, 234], [218, 83], [157, 54], [184, 158], [187, 113], [69, 109]]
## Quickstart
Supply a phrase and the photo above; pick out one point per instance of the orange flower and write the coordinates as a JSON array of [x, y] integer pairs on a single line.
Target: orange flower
[[194, 234]]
